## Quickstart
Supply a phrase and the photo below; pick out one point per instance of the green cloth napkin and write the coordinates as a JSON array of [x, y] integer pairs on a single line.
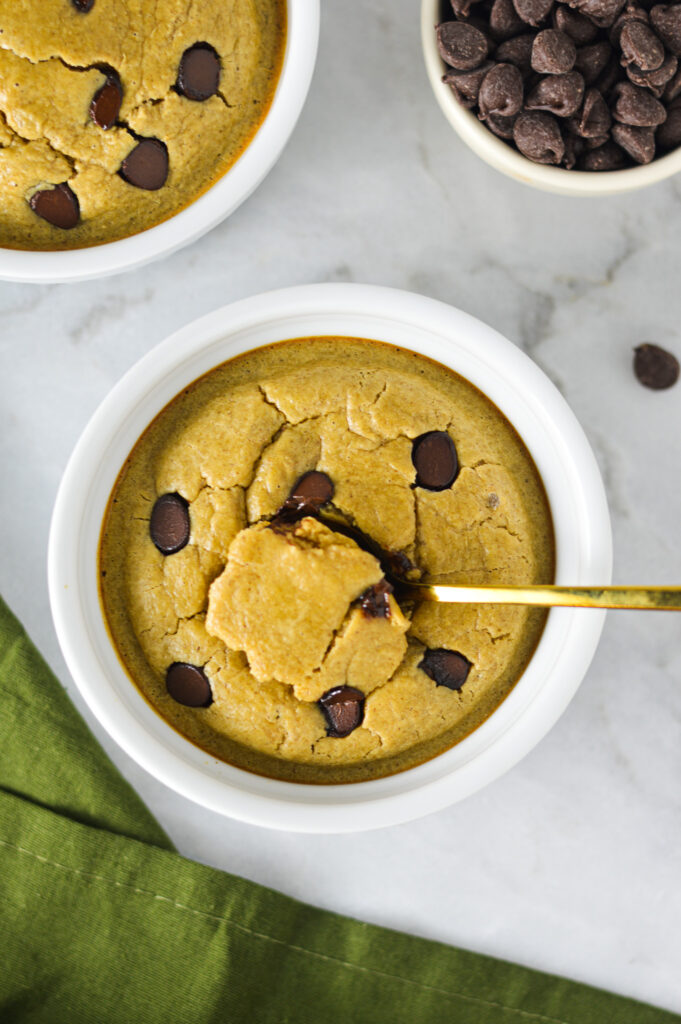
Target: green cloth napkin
[[102, 921]]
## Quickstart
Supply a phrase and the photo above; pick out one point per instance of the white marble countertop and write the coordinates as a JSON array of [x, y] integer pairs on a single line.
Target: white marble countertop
[[571, 862]]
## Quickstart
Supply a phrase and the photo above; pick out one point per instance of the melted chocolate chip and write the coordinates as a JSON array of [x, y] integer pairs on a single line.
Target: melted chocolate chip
[[343, 709], [655, 367], [146, 166], [313, 490], [83, 5], [58, 206], [446, 668], [198, 75], [375, 602], [169, 523], [188, 685], [435, 460], [106, 102]]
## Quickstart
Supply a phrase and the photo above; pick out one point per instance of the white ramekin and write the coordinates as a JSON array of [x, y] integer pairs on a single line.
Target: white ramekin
[[509, 161], [214, 205], [542, 418]]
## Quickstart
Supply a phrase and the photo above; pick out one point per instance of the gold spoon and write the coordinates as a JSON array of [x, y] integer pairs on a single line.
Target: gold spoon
[[643, 598], [539, 595]]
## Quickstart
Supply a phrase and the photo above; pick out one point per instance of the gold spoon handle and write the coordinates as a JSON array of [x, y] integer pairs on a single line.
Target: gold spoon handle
[[645, 598]]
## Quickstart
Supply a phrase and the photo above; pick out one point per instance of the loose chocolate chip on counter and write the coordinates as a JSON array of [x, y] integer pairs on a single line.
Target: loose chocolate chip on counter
[[435, 460], [461, 45], [561, 95], [446, 668], [637, 106], [641, 46], [466, 84], [106, 102], [343, 709], [83, 5], [639, 143], [313, 490], [58, 206], [575, 25], [607, 157], [655, 367], [374, 601], [538, 137], [533, 12], [666, 21], [504, 22], [188, 685], [198, 75], [169, 525], [146, 166], [501, 92], [553, 52]]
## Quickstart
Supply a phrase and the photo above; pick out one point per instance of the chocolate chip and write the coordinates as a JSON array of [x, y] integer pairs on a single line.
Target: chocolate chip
[[533, 12], [313, 490], [641, 46], [639, 143], [343, 709], [106, 102], [446, 668], [591, 61], [574, 147], [655, 367], [516, 51], [630, 13], [501, 92], [466, 84], [656, 81], [579, 28], [504, 22], [561, 95], [461, 45], [462, 8], [198, 75], [607, 157], [83, 5], [553, 52], [374, 601], [666, 20], [58, 206], [668, 135], [501, 126], [673, 88], [435, 460], [636, 106], [169, 523], [188, 685], [593, 120], [146, 166], [602, 12], [538, 137]]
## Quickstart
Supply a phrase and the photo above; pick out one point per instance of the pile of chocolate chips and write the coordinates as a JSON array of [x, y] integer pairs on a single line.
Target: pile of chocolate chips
[[587, 84]]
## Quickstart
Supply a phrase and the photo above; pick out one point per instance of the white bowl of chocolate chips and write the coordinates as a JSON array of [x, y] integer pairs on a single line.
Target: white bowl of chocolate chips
[[517, 388], [578, 97], [147, 170]]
